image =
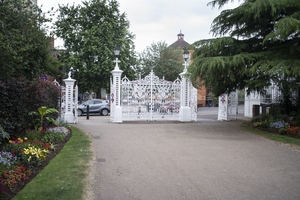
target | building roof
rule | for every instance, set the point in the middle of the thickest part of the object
(180, 43)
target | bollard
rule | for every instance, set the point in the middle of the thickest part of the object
(87, 112)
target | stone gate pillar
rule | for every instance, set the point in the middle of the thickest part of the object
(115, 97)
(69, 104)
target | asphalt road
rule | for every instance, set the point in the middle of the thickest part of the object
(208, 159)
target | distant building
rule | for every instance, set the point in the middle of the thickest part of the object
(180, 43)
(203, 98)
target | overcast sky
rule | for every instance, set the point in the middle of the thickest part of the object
(160, 20)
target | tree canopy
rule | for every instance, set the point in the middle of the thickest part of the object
(24, 45)
(90, 32)
(258, 44)
(165, 62)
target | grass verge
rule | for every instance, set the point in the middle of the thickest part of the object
(63, 177)
(276, 137)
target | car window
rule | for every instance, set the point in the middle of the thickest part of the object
(88, 102)
(97, 102)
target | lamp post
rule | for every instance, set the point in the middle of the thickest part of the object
(186, 56)
(116, 109)
(117, 50)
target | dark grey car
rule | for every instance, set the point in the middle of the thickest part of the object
(95, 106)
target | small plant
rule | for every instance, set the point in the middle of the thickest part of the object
(42, 111)
(12, 177)
(279, 124)
(294, 130)
(3, 135)
(34, 155)
(53, 137)
(263, 124)
(7, 158)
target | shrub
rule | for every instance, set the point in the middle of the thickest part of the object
(278, 124)
(294, 130)
(19, 96)
(3, 135)
(7, 158)
(11, 177)
(41, 113)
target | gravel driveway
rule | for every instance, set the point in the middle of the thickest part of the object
(200, 160)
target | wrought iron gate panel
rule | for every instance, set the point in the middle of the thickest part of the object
(193, 102)
(232, 105)
(112, 105)
(150, 98)
(228, 106)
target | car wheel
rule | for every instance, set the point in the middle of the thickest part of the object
(104, 112)
(79, 113)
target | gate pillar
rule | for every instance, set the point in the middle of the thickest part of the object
(115, 97)
(69, 104)
(185, 109)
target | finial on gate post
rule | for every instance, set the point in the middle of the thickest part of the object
(70, 72)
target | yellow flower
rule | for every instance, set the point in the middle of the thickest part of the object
(29, 159)
(9, 141)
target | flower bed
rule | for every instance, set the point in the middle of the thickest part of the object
(21, 158)
(284, 126)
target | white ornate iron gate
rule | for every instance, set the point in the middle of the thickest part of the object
(152, 98)
(228, 105)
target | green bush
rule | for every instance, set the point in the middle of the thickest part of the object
(19, 96)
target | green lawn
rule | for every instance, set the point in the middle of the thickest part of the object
(63, 178)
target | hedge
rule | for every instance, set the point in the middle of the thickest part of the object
(18, 97)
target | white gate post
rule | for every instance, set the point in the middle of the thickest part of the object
(185, 114)
(69, 105)
(116, 94)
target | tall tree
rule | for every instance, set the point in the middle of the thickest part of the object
(24, 45)
(165, 62)
(90, 32)
(259, 44)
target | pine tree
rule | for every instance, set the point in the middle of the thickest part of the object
(258, 43)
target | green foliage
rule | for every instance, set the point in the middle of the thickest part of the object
(165, 62)
(24, 45)
(53, 137)
(272, 136)
(59, 174)
(22, 155)
(18, 97)
(10, 177)
(3, 135)
(90, 32)
(262, 47)
(41, 113)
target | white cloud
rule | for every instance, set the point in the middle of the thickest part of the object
(161, 20)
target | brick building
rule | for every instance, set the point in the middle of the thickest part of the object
(203, 93)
